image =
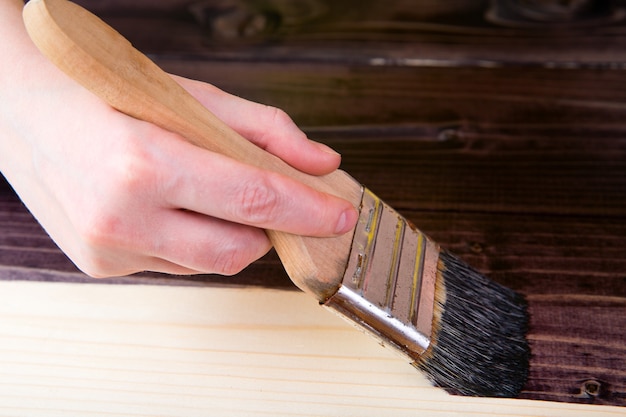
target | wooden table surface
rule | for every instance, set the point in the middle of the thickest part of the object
(503, 144)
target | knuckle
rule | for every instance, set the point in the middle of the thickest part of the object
(102, 254)
(99, 230)
(278, 117)
(132, 171)
(256, 202)
(131, 176)
(103, 224)
(231, 260)
(91, 260)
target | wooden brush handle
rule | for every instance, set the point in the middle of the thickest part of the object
(104, 62)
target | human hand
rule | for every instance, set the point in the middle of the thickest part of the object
(119, 195)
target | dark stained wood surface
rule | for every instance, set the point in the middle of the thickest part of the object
(401, 32)
(506, 144)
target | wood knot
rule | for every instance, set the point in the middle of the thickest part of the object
(476, 247)
(590, 388)
(546, 13)
(234, 19)
(448, 135)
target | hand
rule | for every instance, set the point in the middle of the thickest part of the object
(120, 195)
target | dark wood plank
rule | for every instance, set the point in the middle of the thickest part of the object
(396, 32)
(344, 94)
(567, 355)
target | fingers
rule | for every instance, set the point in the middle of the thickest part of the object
(217, 186)
(273, 130)
(263, 199)
(168, 206)
(173, 242)
(268, 127)
(121, 196)
(188, 241)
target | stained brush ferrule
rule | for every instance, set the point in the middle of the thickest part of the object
(389, 284)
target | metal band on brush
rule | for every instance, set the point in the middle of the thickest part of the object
(389, 284)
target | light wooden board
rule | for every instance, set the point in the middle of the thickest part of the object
(91, 349)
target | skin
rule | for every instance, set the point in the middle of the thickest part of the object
(120, 196)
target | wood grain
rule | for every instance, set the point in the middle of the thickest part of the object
(396, 32)
(76, 350)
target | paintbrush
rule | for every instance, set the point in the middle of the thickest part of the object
(464, 331)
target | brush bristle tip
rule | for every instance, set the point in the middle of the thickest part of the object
(479, 346)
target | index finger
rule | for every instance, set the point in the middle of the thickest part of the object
(218, 186)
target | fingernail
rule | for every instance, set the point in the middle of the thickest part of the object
(346, 222)
(327, 149)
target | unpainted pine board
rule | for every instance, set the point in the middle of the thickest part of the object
(88, 349)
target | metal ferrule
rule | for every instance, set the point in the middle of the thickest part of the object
(389, 284)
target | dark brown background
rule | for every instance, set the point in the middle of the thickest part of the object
(498, 128)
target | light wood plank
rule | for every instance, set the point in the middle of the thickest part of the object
(92, 349)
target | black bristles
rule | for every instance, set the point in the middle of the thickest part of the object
(479, 345)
